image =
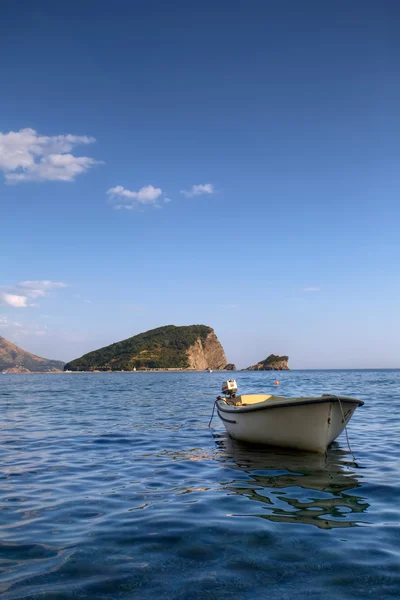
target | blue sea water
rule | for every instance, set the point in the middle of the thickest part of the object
(113, 486)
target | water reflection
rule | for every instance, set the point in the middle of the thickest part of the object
(296, 487)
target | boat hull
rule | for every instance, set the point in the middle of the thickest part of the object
(309, 425)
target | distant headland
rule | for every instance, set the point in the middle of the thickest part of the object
(15, 360)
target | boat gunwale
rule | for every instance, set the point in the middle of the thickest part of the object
(282, 403)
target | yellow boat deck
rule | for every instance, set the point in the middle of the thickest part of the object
(246, 399)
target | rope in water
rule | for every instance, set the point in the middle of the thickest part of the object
(215, 402)
(345, 427)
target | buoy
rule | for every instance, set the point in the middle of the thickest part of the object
(276, 382)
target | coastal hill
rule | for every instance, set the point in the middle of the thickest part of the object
(271, 363)
(170, 347)
(15, 360)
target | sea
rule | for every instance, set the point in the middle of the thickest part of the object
(113, 486)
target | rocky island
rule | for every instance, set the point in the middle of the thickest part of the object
(192, 347)
(271, 363)
(15, 360)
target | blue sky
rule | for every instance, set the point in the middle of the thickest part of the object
(227, 163)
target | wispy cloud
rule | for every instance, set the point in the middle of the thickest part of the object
(129, 199)
(199, 190)
(19, 295)
(121, 197)
(27, 156)
(5, 323)
(311, 289)
(16, 329)
(30, 330)
(38, 289)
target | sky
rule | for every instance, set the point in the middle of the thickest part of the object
(228, 163)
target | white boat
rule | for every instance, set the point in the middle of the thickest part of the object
(305, 423)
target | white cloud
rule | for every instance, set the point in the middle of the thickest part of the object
(27, 156)
(199, 190)
(311, 289)
(14, 300)
(18, 295)
(38, 289)
(146, 195)
(129, 199)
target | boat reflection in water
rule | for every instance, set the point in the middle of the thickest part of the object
(294, 487)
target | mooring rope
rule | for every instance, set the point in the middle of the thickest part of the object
(345, 427)
(215, 402)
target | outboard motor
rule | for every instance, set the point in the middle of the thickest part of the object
(229, 388)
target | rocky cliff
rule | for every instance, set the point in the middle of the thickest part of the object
(271, 363)
(169, 347)
(16, 371)
(206, 353)
(21, 361)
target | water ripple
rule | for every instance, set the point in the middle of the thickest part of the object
(112, 486)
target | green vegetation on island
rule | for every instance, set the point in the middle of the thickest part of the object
(162, 348)
(271, 363)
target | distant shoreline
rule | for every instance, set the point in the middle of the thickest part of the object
(177, 370)
(138, 371)
(199, 371)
